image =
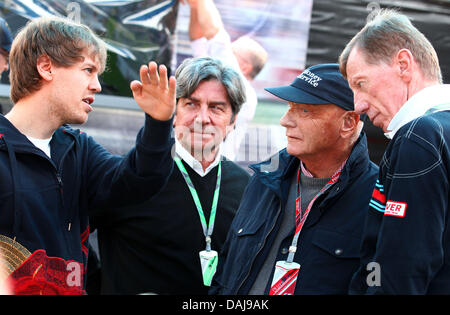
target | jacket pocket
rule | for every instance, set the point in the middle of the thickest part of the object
(246, 240)
(336, 244)
(330, 263)
(248, 229)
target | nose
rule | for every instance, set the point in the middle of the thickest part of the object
(202, 116)
(361, 105)
(95, 85)
(286, 120)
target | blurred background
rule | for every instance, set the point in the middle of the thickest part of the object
(296, 33)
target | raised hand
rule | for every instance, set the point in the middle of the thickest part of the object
(155, 94)
(191, 3)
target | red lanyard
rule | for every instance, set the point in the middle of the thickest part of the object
(299, 219)
(286, 272)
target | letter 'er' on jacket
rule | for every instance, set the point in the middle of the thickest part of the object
(298, 228)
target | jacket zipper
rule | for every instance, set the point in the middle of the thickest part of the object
(60, 184)
(257, 253)
(63, 205)
(57, 170)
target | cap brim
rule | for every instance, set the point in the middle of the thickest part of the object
(295, 95)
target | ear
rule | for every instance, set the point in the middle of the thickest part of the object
(44, 67)
(242, 57)
(175, 114)
(349, 124)
(231, 126)
(404, 61)
(246, 68)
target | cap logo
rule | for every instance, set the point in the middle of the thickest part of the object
(310, 78)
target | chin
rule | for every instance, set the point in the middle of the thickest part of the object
(294, 151)
(290, 151)
(78, 120)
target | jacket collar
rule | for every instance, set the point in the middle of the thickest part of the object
(62, 138)
(14, 137)
(428, 100)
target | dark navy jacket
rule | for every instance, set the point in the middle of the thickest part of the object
(328, 247)
(407, 230)
(45, 203)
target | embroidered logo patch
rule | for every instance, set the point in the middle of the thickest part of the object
(395, 208)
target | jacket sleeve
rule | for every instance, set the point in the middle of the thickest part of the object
(411, 223)
(114, 181)
(216, 284)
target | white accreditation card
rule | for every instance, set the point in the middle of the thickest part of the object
(284, 278)
(208, 261)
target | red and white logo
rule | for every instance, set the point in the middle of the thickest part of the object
(395, 208)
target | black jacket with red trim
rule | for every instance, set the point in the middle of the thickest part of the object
(45, 203)
(406, 240)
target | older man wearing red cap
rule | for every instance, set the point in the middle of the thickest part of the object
(298, 228)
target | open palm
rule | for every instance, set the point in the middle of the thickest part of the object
(155, 93)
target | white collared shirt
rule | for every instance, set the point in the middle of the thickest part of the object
(192, 162)
(436, 97)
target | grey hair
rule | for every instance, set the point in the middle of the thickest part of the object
(192, 71)
(386, 34)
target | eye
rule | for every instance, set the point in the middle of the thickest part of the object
(360, 84)
(191, 104)
(89, 70)
(303, 111)
(217, 107)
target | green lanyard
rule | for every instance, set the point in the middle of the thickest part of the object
(207, 229)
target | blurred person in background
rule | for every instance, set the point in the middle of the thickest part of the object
(298, 228)
(170, 243)
(209, 38)
(5, 46)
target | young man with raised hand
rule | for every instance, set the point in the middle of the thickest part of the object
(53, 176)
